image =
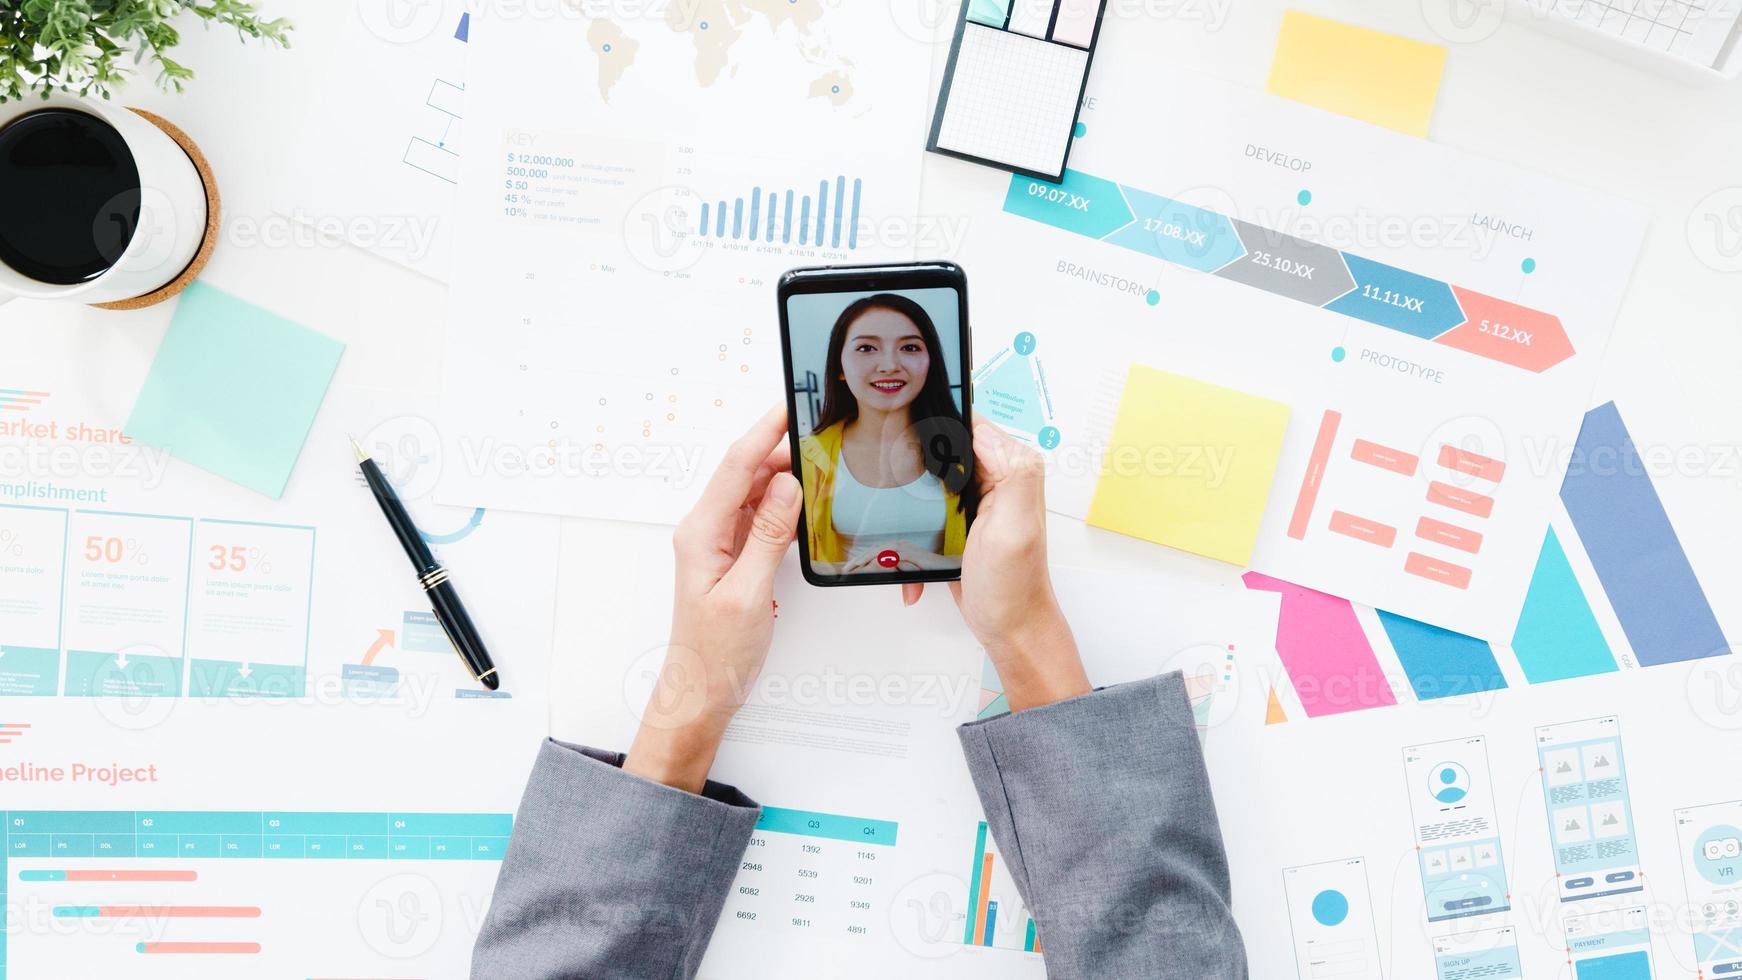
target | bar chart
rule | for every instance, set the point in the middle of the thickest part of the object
(824, 217)
(211, 893)
(996, 916)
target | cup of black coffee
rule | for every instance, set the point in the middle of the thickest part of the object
(96, 203)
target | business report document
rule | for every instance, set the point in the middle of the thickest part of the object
(1432, 320)
(131, 575)
(228, 838)
(630, 192)
(232, 723)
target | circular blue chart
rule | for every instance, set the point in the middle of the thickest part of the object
(1330, 907)
(459, 534)
(1449, 782)
(1718, 855)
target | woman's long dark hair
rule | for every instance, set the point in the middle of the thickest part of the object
(932, 410)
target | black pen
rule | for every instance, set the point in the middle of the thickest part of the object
(444, 599)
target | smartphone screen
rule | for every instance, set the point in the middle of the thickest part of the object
(878, 402)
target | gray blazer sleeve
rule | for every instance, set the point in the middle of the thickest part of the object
(1101, 809)
(609, 875)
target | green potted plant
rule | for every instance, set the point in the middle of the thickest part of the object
(86, 47)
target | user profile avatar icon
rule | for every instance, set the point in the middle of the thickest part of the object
(1449, 782)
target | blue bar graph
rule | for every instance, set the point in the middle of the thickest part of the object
(991, 920)
(974, 880)
(840, 202)
(773, 212)
(822, 209)
(853, 229)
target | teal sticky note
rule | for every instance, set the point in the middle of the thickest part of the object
(234, 389)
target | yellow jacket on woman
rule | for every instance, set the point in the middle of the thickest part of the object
(819, 453)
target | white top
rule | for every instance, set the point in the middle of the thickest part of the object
(867, 517)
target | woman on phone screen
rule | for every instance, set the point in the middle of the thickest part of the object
(870, 487)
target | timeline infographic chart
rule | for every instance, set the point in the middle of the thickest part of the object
(213, 893)
(1203, 240)
(218, 837)
(1428, 356)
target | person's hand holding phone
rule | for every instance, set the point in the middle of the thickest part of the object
(722, 621)
(1005, 594)
(731, 544)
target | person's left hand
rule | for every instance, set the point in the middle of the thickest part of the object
(722, 621)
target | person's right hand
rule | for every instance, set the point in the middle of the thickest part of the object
(1005, 594)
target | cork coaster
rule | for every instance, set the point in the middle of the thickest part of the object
(179, 283)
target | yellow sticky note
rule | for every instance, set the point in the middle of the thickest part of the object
(1369, 75)
(1189, 465)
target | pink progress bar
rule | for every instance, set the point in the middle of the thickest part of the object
(129, 876)
(170, 911)
(197, 948)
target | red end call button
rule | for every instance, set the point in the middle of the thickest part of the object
(888, 559)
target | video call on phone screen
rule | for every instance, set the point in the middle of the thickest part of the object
(877, 403)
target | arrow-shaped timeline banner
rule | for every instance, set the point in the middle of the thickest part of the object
(1315, 274)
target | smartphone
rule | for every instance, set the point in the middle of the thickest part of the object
(877, 403)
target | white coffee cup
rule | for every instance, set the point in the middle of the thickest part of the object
(172, 211)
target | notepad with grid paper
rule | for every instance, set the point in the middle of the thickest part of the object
(1700, 31)
(1014, 83)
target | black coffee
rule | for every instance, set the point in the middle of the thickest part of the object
(69, 196)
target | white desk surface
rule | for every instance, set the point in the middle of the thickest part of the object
(1518, 95)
